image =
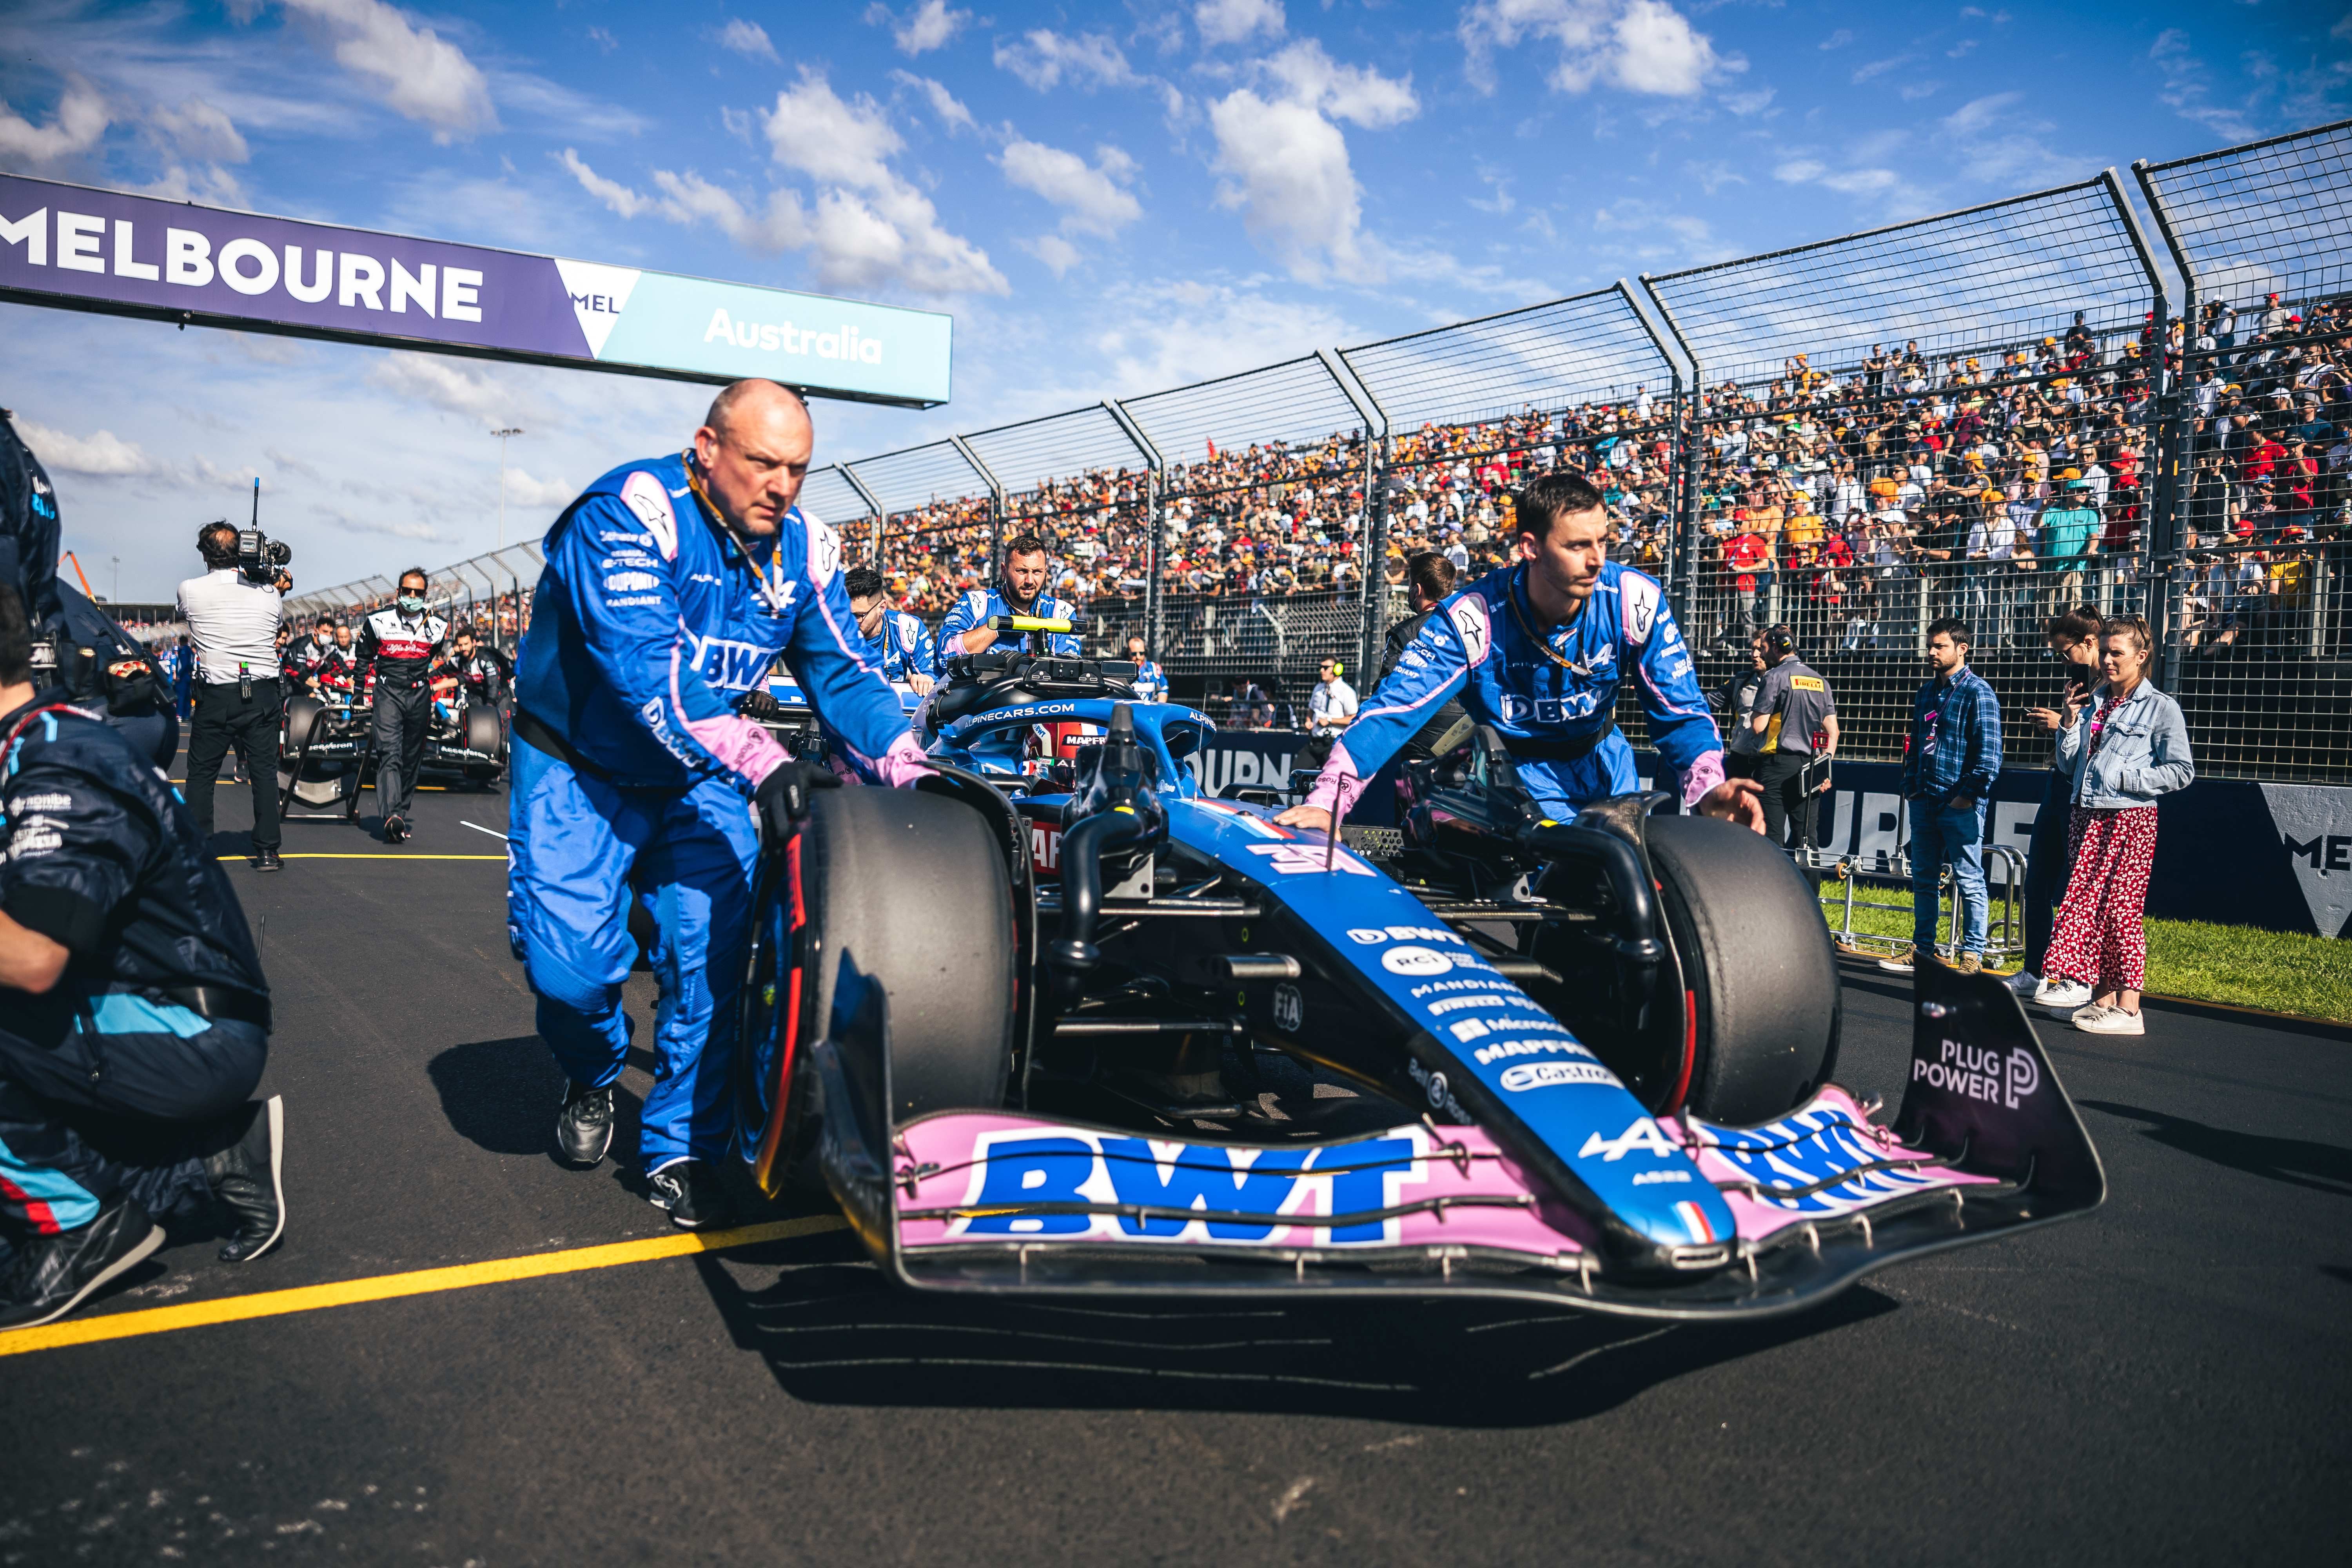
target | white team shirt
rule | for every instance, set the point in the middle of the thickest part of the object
(1333, 698)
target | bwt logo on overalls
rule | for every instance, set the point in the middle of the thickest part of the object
(1981, 1074)
(731, 666)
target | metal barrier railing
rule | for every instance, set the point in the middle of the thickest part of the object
(2004, 929)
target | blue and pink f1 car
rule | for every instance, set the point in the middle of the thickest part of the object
(1095, 1032)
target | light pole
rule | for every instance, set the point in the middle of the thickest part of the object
(116, 601)
(502, 436)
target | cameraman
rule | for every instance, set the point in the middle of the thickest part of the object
(133, 1018)
(239, 689)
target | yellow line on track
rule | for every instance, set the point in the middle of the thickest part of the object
(388, 1286)
(379, 855)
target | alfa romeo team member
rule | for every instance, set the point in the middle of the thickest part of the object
(134, 1020)
(670, 587)
(400, 645)
(1538, 650)
(899, 643)
(1021, 592)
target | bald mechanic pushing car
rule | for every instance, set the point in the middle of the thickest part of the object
(670, 587)
(1537, 650)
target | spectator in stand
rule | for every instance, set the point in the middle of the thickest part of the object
(2073, 637)
(2123, 747)
(1950, 761)
(2068, 526)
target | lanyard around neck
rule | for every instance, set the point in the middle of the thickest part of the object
(771, 577)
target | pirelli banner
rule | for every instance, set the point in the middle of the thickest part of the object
(84, 249)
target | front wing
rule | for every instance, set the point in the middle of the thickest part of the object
(1985, 1143)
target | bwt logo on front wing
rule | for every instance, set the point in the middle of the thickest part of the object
(1981, 1074)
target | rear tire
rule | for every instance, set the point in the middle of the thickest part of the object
(1757, 960)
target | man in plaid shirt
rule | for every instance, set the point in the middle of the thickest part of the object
(1949, 763)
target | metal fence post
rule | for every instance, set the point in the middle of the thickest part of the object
(1688, 434)
(1374, 566)
(1155, 524)
(995, 505)
(2177, 479)
(2155, 340)
(872, 504)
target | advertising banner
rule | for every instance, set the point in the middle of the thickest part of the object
(79, 248)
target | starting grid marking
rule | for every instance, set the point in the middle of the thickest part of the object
(377, 855)
(390, 1287)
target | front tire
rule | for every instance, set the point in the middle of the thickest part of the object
(1758, 965)
(912, 889)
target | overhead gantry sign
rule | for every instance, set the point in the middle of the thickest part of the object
(79, 248)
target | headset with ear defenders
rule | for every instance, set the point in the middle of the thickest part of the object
(1779, 644)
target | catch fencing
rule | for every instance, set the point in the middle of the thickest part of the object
(1993, 415)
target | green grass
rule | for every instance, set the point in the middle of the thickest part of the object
(2241, 966)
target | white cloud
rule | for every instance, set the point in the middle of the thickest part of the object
(80, 119)
(749, 39)
(1978, 113)
(1291, 176)
(1838, 40)
(1234, 21)
(1174, 334)
(416, 73)
(1043, 57)
(951, 113)
(781, 225)
(2186, 87)
(522, 490)
(104, 455)
(1058, 254)
(1800, 171)
(1093, 197)
(930, 26)
(423, 533)
(612, 192)
(451, 385)
(1642, 46)
(1357, 93)
(1295, 188)
(197, 130)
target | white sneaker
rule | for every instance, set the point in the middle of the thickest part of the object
(2109, 1021)
(1898, 963)
(2058, 992)
(2024, 981)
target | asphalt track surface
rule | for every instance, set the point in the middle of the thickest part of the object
(2167, 1380)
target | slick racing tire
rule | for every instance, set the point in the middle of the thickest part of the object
(301, 714)
(484, 733)
(1757, 963)
(913, 890)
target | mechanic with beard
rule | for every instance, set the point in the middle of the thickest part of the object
(671, 585)
(400, 645)
(134, 1020)
(898, 644)
(1022, 592)
(483, 670)
(1538, 650)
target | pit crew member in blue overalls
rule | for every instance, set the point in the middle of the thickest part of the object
(670, 587)
(1150, 681)
(1021, 592)
(1537, 650)
(899, 643)
(134, 1020)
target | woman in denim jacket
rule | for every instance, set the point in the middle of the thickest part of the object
(2121, 748)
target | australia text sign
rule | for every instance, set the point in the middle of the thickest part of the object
(101, 250)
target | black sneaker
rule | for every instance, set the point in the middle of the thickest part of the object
(394, 829)
(583, 1129)
(691, 1190)
(54, 1274)
(267, 860)
(248, 1180)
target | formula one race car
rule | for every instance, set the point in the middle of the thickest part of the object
(325, 754)
(1093, 1031)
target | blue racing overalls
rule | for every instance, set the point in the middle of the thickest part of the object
(650, 624)
(1552, 697)
(902, 648)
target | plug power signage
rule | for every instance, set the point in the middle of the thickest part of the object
(85, 249)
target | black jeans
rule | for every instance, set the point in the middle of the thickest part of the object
(398, 741)
(223, 716)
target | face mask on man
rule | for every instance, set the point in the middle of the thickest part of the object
(412, 603)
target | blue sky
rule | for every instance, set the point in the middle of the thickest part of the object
(1110, 199)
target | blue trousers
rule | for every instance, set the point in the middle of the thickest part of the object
(1945, 835)
(581, 849)
(1563, 789)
